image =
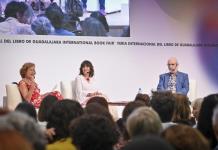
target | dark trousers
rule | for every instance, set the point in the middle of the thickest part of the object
(101, 2)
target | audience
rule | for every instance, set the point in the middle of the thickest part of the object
(11, 140)
(18, 17)
(99, 16)
(61, 114)
(143, 98)
(205, 118)
(148, 143)
(182, 110)
(28, 109)
(196, 106)
(164, 103)
(215, 124)
(183, 137)
(93, 27)
(26, 126)
(42, 26)
(143, 121)
(93, 132)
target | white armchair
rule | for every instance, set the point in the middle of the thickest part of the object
(192, 90)
(13, 97)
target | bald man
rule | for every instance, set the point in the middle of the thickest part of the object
(174, 81)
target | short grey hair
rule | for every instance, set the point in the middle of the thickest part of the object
(26, 126)
(142, 121)
(42, 26)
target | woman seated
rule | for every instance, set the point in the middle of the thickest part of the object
(85, 86)
(29, 88)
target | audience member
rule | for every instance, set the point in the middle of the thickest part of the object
(42, 26)
(45, 107)
(99, 100)
(143, 121)
(183, 137)
(205, 118)
(93, 27)
(148, 143)
(215, 124)
(18, 16)
(196, 106)
(11, 140)
(143, 98)
(29, 88)
(99, 16)
(26, 126)
(182, 110)
(27, 108)
(93, 132)
(56, 16)
(163, 103)
(59, 118)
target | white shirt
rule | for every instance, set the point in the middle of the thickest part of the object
(13, 26)
(82, 87)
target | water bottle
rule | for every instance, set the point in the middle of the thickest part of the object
(139, 91)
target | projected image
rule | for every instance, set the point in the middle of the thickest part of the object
(65, 17)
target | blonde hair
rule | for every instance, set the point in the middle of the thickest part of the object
(25, 67)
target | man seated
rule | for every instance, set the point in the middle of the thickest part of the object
(174, 81)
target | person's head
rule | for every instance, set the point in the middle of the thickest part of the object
(99, 16)
(196, 106)
(163, 103)
(28, 70)
(19, 10)
(98, 109)
(129, 108)
(99, 100)
(26, 126)
(215, 122)
(10, 140)
(55, 15)
(148, 143)
(46, 106)
(93, 132)
(182, 111)
(86, 68)
(60, 116)
(183, 137)
(93, 27)
(204, 124)
(143, 121)
(143, 98)
(27, 108)
(42, 26)
(172, 64)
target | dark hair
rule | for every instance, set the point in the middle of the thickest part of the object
(45, 107)
(183, 137)
(27, 108)
(129, 108)
(99, 16)
(4, 111)
(163, 104)
(93, 27)
(98, 109)
(88, 64)
(144, 98)
(60, 116)
(148, 143)
(205, 118)
(99, 100)
(14, 7)
(92, 132)
(55, 15)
